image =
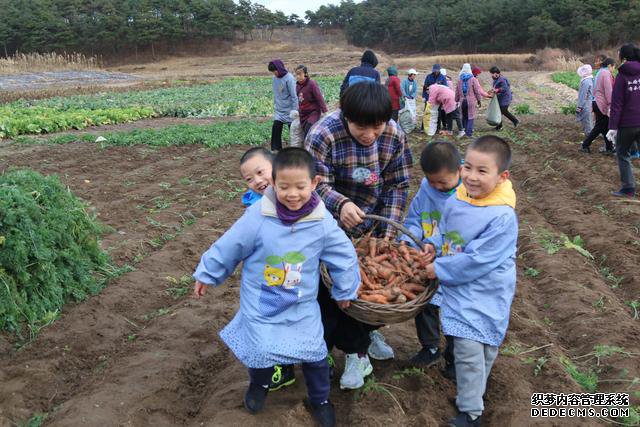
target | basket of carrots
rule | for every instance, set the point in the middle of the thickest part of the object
(394, 285)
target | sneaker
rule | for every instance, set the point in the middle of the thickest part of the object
(515, 125)
(584, 149)
(254, 398)
(426, 357)
(283, 376)
(332, 365)
(606, 151)
(464, 420)
(499, 127)
(635, 155)
(624, 192)
(355, 369)
(462, 134)
(323, 414)
(449, 372)
(378, 349)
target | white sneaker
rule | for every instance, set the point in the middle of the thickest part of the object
(461, 134)
(355, 369)
(378, 349)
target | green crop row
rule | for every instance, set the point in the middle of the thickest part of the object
(29, 120)
(248, 97)
(215, 135)
(568, 78)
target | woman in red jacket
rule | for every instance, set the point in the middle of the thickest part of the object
(395, 91)
(310, 99)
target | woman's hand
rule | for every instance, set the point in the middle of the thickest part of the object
(343, 304)
(351, 215)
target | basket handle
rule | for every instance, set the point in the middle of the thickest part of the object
(397, 225)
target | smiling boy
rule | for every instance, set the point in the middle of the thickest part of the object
(363, 160)
(477, 269)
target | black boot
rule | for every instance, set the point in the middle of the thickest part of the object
(254, 398)
(323, 414)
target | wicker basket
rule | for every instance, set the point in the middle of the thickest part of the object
(384, 314)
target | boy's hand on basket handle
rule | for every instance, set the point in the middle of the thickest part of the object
(429, 252)
(351, 215)
(343, 304)
(199, 289)
(431, 271)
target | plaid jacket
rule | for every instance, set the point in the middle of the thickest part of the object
(375, 178)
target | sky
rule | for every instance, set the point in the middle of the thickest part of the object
(299, 7)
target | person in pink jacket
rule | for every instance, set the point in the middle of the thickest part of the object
(468, 94)
(441, 96)
(601, 107)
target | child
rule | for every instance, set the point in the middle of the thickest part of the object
(285, 100)
(395, 91)
(256, 168)
(477, 270)
(440, 96)
(502, 88)
(441, 164)
(468, 94)
(281, 241)
(583, 107)
(310, 98)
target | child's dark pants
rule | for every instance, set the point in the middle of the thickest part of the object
(428, 326)
(316, 376)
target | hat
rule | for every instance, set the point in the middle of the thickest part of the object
(436, 67)
(476, 70)
(412, 71)
(585, 71)
(443, 71)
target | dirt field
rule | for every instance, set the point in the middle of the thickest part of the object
(136, 355)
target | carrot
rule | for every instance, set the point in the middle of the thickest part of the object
(394, 282)
(365, 279)
(372, 247)
(409, 295)
(387, 264)
(377, 299)
(402, 249)
(413, 287)
(380, 258)
(385, 273)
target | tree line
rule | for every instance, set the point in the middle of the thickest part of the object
(483, 25)
(110, 27)
(113, 26)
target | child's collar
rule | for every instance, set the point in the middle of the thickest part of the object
(268, 207)
(502, 195)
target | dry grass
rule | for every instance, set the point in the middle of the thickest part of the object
(546, 59)
(516, 61)
(38, 62)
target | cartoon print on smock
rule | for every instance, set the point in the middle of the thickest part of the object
(453, 243)
(430, 221)
(282, 274)
(365, 176)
